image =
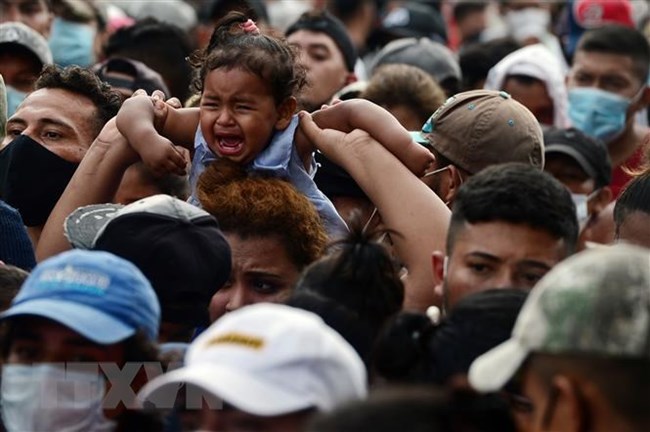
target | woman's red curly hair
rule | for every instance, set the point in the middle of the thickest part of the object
(258, 206)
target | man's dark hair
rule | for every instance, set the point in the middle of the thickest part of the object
(359, 274)
(346, 9)
(168, 184)
(464, 9)
(623, 382)
(518, 194)
(162, 47)
(619, 40)
(412, 349)
(635, 198)
(321, 21)
(211, 11)
(83, 82)
(11, 279)
(477, 59)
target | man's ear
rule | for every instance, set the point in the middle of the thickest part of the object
(454, 183)
(643, 101)
(286, 109)
(601, 200)
(438, 265)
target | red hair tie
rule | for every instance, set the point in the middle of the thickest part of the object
(250, 27)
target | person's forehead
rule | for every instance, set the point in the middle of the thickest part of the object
(507, 241)
(58, 104)
(603, 63)
(533, 96)
(538, 86)
(308, 38)
(264, 251)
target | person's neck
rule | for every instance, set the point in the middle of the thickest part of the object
(621, 149)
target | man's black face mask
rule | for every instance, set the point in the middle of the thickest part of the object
(32, 179)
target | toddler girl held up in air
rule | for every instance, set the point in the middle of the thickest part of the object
(248, 82)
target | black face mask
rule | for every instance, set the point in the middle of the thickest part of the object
(32, 179)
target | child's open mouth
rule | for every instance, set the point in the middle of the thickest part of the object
(229, 146)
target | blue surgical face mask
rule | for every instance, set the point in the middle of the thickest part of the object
(14, 99)
(598, 113)
(72, 43)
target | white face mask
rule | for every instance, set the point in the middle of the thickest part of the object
(50, 398)
(438, 171)
(528, 23)
(581, 202)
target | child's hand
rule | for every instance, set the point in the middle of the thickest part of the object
(334, 144)
(160, 106)
(161, 156)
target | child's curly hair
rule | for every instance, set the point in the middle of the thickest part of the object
(268, 56)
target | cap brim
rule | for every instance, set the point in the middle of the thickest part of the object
(573, 154)
(492, 371)
(419, 138)
(85, 320)
(84, 224)
(239, 389)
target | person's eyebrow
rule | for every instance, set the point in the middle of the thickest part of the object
(484, 255)
(249, 98)
(318, 45)
(54, 122)
(263, 274)
(43, 121)
(17, 121)
(534, 263)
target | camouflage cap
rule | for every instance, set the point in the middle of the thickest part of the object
(480, 128)
(594, 303)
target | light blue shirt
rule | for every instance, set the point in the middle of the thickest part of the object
(280, 159)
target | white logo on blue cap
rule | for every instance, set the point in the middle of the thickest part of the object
(74, 279)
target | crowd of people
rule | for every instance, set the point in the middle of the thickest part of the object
(324, 215)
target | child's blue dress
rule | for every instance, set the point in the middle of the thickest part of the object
(280, 159)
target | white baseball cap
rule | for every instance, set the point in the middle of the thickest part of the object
(268, 360)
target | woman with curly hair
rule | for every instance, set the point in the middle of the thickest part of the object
(273, 232)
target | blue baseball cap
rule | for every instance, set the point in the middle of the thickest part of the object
(104, 298)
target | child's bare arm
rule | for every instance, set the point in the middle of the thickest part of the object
(406, 205)
(138, 120)
(381, 125)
